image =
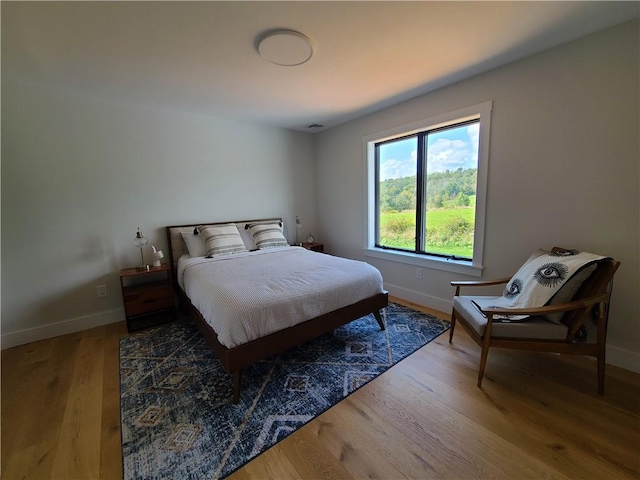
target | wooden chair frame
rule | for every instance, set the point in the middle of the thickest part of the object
(595, 291)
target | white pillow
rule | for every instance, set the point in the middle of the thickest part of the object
(221, 239)
(268, 235)
(194, 243)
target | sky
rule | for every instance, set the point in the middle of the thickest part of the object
(446, 150)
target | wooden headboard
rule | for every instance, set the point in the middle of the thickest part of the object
(177, 247)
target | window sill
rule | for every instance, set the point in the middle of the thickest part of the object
(463, 267)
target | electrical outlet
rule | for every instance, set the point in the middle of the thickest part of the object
(419, 273)
(102, 290)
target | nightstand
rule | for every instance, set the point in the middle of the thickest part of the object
(316, 247)
(148, 296)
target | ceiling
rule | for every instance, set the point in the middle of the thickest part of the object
(201, 56)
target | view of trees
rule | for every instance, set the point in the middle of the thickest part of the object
(448, 188)
(450, 212)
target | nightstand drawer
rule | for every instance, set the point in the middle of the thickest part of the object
(138, 302)
(147, 294)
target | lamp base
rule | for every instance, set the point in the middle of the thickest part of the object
(142, 267)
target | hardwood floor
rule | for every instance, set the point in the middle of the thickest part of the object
(536, 416)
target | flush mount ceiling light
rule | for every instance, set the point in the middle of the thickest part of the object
(287, 48)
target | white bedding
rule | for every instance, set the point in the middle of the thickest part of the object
(248, 295)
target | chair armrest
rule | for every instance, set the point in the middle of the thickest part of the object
(479, 283)
(560, 307)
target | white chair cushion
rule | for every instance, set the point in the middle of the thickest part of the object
(533, 327)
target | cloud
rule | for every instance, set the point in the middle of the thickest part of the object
(447, 150)
(398, 168)
(446, 154)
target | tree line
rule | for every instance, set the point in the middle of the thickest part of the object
(444, 189)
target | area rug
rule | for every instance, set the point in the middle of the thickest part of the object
(177, 421)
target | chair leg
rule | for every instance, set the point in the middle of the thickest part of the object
(453, 316)
(602, 346)
(483, 363)
(453, 325)
(485, 350)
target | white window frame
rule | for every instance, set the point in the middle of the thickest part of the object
(482, 112)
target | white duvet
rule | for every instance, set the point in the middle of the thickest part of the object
(248, 295)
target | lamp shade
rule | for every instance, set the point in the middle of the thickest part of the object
(140, 241)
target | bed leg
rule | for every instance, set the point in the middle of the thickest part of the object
(237, 385)
(379, 319)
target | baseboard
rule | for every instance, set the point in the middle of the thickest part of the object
(623, 358)
(420, 298)
(28, 335)
(615, 355)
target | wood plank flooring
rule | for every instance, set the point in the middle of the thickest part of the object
(536, 416)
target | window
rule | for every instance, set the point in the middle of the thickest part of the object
(427, 190)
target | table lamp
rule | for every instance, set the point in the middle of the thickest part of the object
(141, 242)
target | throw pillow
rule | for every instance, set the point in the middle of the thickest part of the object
(569, 290)
(268, 235)
(221, 239)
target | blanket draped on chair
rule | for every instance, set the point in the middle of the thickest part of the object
(538, 280)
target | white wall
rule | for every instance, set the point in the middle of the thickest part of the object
(563, 170)
(80, 174)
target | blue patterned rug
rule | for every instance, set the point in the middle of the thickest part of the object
(176, 418)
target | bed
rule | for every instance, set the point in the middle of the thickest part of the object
(257, 297)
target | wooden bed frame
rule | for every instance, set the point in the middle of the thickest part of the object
(236, 358)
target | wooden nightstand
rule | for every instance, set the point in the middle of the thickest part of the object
(147, 294)
(316, 247)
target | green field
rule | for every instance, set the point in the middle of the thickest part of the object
(449, 230)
